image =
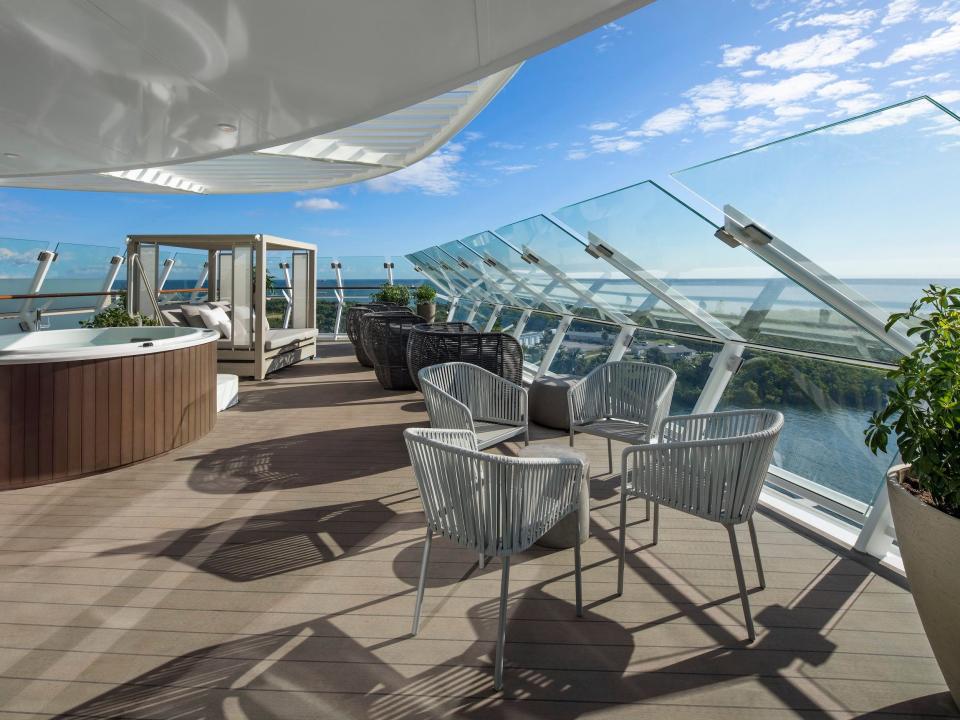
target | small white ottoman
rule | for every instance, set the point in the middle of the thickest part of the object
(564, 533)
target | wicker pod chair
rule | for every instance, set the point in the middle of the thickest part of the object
(435, 343)
(353, 327)
(384, 336)
(438, 343)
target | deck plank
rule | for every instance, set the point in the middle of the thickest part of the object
(240, 575)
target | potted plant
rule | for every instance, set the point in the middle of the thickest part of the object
(426, 305)
(395, 294)
(116, 315)
(923, 413)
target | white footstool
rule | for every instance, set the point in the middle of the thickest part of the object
(564, 533)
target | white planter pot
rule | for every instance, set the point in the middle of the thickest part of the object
(930, 547)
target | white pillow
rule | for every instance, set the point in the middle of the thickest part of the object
(216, 318)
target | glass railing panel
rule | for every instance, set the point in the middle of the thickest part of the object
(482, 315)
(520, 279)
(826, 406)
(327, 315)
(18, 264)
(362, 275)
(595, 284)
(446, 268)
(689, 357)
(188, 272)
(405, 274)
(676, 248)
(871, 200)
(78, 268)
(472, 266)
(584, 346)
(508, 320)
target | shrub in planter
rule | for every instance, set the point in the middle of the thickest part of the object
(397, 294)
(923, 413)
(426, 307)
(117, 316)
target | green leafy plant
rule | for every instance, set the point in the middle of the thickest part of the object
(397, 294)
(924, 405)
(425, 293)
(117, 316)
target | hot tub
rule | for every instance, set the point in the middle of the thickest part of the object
(74, 402)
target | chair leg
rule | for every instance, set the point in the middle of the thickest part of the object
(482, 561)
(428, 543)
(610, 453)
(571, 437)
(526, 436)
(647, 518)
(577, 569)
(502, 630)
(756, 553)
(623, 541)
(738, 566)
(656, 523)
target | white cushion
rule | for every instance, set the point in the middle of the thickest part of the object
(216, 318)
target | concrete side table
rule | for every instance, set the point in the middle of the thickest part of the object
(548, 401)
(564, 533)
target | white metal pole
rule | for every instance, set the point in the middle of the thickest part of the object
(473, 311)
(554, 345)
(452, 308)
(287, 294)
(724, 366)
(205, 273)
(521, 324)
(164, 274)
(494, 316)
(115, 263)
(389, 268)
(875, 538)
(623, 341)
(339, 294)
(44, 260)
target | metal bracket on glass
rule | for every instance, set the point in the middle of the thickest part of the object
(388, 266)
(817, 281)
(682, 304)
(725, 365)
(535, 295)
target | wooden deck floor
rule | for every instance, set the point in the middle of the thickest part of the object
(268, 571)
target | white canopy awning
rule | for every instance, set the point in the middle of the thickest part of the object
(110, 86)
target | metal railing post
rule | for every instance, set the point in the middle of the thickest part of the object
(115, 263)
(554, 345)
(44, 260)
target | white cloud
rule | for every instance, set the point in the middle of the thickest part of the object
(942, 41)
(713, 97)
(898, 11)
(788, 112)
(842, 88)
(603, 126)
(437, 174)
(668, 121)
(606, 145)
(737, 56)
(947, 97)
(577, 155)
(752, 73)
(318, 204)
(907, 82)
(714, 122)
(834, 47)
(785, 91)
(513, 169)
(472, 135)
(889, 118)
(859, 104)
(610, 32)
(852, 18)
(500, 145)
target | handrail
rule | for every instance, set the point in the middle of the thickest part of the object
(135, 260)
(42, 296)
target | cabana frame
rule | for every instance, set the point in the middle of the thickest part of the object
(254, 350)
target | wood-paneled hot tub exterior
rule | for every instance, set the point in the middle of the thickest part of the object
(63, 419)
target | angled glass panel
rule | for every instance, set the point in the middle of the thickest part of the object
(189, 271)
(78, 268)
(601, 291)
(871, 200)
(482, 315)
(676, 247)
(474, 268)
(507, 321)
(432, 271)
(470, 286)
(18, 263)
(520, 278)
(585, 346)
(537, 336)
(405, 274)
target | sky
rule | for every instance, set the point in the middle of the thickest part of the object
(674, 84)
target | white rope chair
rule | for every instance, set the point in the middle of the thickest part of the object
(462, 396)
(495, 505)
(623, 401)
(712, 466)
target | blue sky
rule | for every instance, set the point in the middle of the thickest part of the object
(674, 84)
